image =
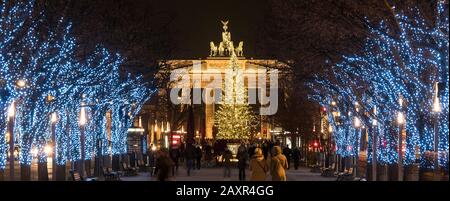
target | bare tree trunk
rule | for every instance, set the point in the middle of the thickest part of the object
(2, 174)
(87, 165)
(42, 171)
(116, 163)
(25, 172)
(60, 173)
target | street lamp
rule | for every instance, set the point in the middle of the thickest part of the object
(10, 131)
(53, 120)
(357, 125)
(34, 152)
(48, 150)
(82, 116)
(357, 122)
(83, 121)
(21, 83)
(436, 110)
(400, 121)
(400, 118)
(11, 110)
(436, 105)
(400, 101)
(168, 127)
(54, 117)
(374, 144)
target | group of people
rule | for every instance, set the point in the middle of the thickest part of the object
(260, 166)
(262, 160)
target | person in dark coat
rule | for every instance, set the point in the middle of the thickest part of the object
(133, 159)
(198, 157)
(152, 162)
(242, 163)
(251, 151)
(226, 159)
(287, 152)
(164, 164)
(189, 155)
(208, 155)
(175, 155)
(265, 149)
(296, 157)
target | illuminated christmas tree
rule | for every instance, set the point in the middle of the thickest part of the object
(234, 114)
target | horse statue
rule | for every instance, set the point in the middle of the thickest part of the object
(230, 48)
(221, 49)
(240, 49)
(214, 49)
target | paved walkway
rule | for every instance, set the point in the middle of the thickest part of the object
(216, 174)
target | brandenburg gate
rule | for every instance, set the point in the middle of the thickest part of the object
(216, 63)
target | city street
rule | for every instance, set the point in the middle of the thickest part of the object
(216, 174)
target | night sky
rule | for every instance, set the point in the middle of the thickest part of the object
(198, 22)
(311, 33)
(147, 31)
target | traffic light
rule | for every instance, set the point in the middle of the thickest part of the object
(176, 140)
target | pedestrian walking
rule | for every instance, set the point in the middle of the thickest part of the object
(198, 157)
(227, 155)
(242, 162)
(175, 155)
(296, 157)
(251, 150)
(208, 155)
(287, 152)
(152, 162)
(164, 164)
(278, 165)
(258, 166)
(133, 159)
(189, 156)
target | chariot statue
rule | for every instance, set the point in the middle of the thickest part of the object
(214, 50)
(240, 49)
(226, 47)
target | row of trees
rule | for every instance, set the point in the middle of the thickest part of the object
(399, 81)
(56, 94)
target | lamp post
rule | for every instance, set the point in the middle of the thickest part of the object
(10, 130)
(357, 125)
(374, 145)
(436, 110)
(53, 119)
(82, 123)
(400, 122)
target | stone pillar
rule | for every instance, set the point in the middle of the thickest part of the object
(151, 130)
(158, 134)
(209, 120)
